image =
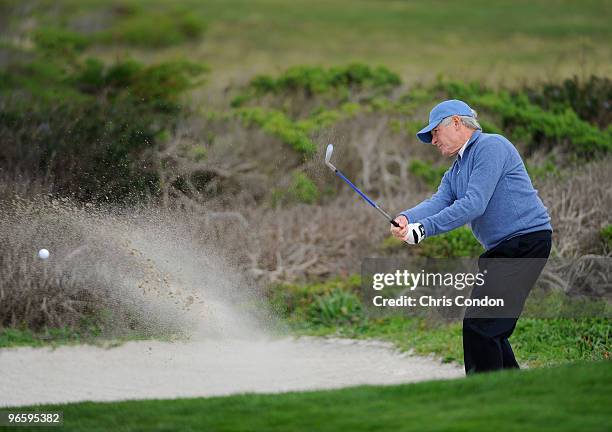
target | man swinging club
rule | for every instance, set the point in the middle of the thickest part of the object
(488, 188)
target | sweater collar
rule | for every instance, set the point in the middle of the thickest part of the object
(469, 142)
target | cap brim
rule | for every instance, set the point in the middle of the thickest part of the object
(425, 134)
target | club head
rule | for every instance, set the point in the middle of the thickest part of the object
(328, 154)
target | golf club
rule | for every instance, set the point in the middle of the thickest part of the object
(328, 154)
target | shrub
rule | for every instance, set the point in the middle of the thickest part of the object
(295, 300)
(532, 123)
(316, 80)
(301, 190)
(590, 99)
(154, 30)
(38, 82)
(279, 125)
(91, 151)
(391, 244)
(295, 133)
(159, 85)
(606, 237)
(57, 41)
(549, 167)
(94, 128)
(457, 243)
(427, 172)
(199, 153)
(321, 119)
(339, 82)
(489, 127)
(336, 308)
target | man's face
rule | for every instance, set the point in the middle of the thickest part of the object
(447, 139)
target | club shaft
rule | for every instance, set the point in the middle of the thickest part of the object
(366, 198)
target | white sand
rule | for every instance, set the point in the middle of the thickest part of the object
(159, 370)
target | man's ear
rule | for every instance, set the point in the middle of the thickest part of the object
(456, 122)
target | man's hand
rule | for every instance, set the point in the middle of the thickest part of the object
(416, 233)
(400, 232)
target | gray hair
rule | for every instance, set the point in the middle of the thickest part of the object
(467, 121)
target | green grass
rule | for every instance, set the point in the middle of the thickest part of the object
(536, 342)
(569, 398)
(16, 337)
(493, 41)
(553, 329)
(20, 337)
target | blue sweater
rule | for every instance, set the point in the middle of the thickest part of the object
(487, 188)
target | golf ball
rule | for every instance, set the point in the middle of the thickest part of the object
(43, 254)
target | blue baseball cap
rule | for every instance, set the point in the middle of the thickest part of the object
(440, 112)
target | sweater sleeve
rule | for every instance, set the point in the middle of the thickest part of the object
(489, 161)
(437, 202)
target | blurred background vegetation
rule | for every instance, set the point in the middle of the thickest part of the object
(225, 107)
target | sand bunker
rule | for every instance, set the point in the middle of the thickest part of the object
(159, 370)
(154, 268)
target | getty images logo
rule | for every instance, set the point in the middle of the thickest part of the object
(412, 280)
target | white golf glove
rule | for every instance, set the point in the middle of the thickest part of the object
(416, 233)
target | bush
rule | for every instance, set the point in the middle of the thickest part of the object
(606, 238)
(295, 300)
(158, 85)
(316, 80)
(93, 130)
(322, 118)
(391, 244)
(590, 99)
(301, 190)
(549, 167)
(427, 172)
(92, 152)
(489, 127)
(279, 125)
(295, 133)
(336, 82)
(336, 308)
(154, 30)
(533, 124)
(38, 82)
(57, 41)
(457, 243)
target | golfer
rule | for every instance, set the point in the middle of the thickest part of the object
(487, 187)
